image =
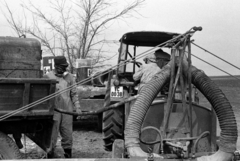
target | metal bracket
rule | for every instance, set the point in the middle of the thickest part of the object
(150, 154)
(236, 156)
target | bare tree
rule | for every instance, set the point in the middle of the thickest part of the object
(76, 27)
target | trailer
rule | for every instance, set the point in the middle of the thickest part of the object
(24, 113)
(22, 90)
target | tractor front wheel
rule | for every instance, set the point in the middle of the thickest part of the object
(113, 126)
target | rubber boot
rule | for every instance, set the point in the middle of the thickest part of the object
(68, 153)
(17, 137)
(51, 154)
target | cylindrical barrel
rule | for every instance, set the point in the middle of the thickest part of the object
(82, 75)
(84, 70)
(20, 57)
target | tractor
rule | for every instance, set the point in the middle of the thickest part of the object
(171, 124)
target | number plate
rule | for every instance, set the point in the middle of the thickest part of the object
(116, 92)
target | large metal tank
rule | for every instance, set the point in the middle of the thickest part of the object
(203, 120)
(20, 57)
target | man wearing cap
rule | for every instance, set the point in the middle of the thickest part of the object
(153, 64)
(68, 101)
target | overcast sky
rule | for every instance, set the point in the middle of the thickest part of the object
(220, 20)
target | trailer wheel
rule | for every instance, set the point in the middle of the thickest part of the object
(113, 124)
(8, 148)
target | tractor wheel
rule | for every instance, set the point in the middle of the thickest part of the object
(8, 148)
(113, 126)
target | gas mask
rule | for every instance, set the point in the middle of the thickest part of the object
(60, 71)
(162, 62)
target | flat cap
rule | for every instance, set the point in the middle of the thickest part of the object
(158, 54)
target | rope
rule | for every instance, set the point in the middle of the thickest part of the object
(216, 56)
(86, 80)
(216, 67)
(89, 79)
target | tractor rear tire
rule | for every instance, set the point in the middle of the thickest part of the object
(113, 126)
(8, 148)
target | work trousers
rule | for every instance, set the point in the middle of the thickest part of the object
(63, 124)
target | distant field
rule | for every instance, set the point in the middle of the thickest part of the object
(231, 88)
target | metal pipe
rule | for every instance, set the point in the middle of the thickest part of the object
(196, 142)
(168, 105)
(189, 74)
(134, 54)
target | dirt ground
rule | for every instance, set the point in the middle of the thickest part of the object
(87, 143)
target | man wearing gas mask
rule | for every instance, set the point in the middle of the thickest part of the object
(154, 63)
(68, 101)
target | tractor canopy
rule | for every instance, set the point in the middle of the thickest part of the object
(147, 38)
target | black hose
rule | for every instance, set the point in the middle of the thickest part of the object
(139, 109)
(222, 107)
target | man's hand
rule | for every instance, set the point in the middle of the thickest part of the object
(78, 111)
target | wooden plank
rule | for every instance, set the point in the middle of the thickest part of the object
(26, 94)
(52, 101)
(27, 80)
(91, 104)
(20, 64)
(20, 73)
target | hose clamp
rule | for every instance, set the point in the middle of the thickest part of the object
(236, 155)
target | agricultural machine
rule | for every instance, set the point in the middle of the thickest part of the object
(170, 125)
(151, 124)
(156, 124)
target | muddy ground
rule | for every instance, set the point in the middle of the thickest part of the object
(87, 143)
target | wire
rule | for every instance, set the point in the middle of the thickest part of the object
(82, 82)
(216, 56)
(88, 79)
(215, 67)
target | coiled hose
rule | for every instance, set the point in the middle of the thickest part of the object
(139, 109)
(209, 89)
(222, 107)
